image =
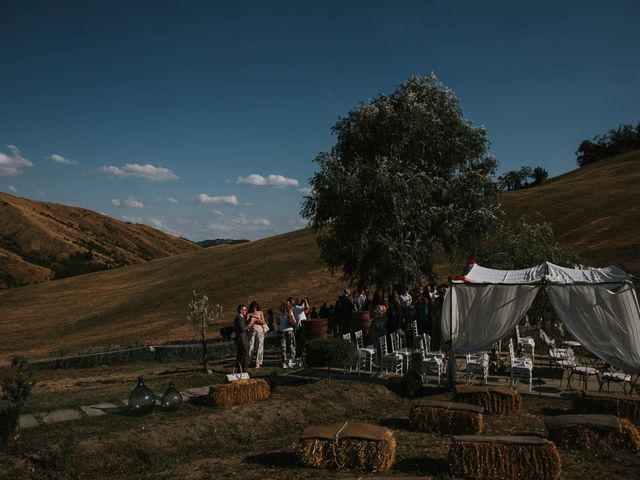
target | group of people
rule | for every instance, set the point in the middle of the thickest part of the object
(388, 312)
(250, 327)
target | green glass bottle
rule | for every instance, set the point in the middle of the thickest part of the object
(141, 399)
(171, 400)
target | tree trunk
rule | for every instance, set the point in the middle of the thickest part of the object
(204, 350)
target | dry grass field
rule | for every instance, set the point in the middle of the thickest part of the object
(254, 441)
(595, 210)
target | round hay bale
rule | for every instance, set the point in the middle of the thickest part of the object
(446, 418)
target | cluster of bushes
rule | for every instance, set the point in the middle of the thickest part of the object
(619, 140)
(524, 178)
(16, 387)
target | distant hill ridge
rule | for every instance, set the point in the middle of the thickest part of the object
(219, 241)
(40, 241)
(594, 210)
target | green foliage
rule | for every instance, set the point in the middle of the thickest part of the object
(16, 387)
(407, 175)
(518, 179)
(519, 244)
(411, 385)
(618, 140)
(329, 352)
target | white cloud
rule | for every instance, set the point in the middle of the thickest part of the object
(130, 202)
(13, 189)
(156, 223)
(13, 163)
(218, 213)
(276, 181)
(132, 219)
(60, 159)
(171, 200)
(305, 190)
(148, 171)
(205, 199)
(239, 223)
(42, 193)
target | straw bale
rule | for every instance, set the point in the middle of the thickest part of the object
(593, 431)
(504, 458)
(495, 400)
(446, 418)
(349, 452)
(241, 391)
(624, 406)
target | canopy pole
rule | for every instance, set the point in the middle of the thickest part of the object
(452, 354)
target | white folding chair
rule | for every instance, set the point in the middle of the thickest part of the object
(388, 359)
(433, 363)
(614, 376)
(365, 354)
(399, 345)
(521, 367)
(527, 343)
(477, 365)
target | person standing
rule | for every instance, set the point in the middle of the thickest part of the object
(256, 332)
(286, 322)
(344, 307)
(300, 310)
(379, 327)
(241, 338)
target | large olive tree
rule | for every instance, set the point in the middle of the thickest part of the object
(407, 175)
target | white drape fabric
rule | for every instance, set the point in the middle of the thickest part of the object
(561, 275)
(599, 306)
(483, 314)
(479, 274)
(603, 318)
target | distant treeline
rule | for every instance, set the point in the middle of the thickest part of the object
(524, 178)
(219, 241)
(618, 140)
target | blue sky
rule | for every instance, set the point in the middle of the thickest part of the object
(176, 114)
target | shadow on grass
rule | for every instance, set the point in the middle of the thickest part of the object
(395, 423)
(423, 466)
(286, 459)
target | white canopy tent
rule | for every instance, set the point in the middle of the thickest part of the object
(598, 306)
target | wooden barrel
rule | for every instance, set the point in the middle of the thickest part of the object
(315, 328)
(361, 321)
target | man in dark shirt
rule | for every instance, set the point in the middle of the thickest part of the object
(241, 339)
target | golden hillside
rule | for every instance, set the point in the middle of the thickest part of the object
(41, 241)
(594, 210)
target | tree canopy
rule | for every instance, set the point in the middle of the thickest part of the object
(518, 179)
(407, 175)
(618, 140)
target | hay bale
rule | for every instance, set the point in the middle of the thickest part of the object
(504, 458)
(241, 391)
(348, 445)
(593, 431)
(446, 418)
(494, 400)
(624, 406)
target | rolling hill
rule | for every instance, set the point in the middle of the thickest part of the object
(40, 241)
(595, 210)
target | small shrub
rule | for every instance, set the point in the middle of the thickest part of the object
(16, 387)
(329, 352)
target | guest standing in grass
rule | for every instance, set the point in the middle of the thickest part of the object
(286, 322)
(241, 338)
(256, 332)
